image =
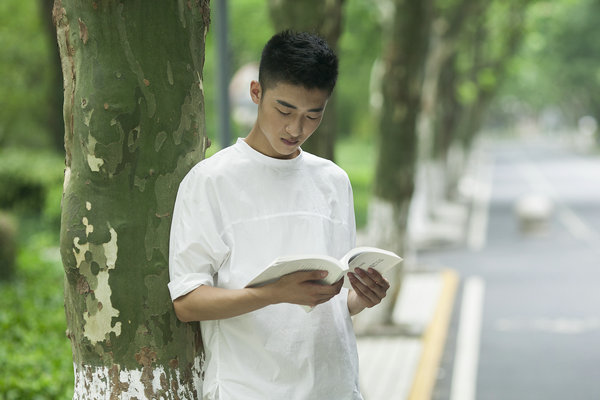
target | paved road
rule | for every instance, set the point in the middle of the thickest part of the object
(536, 332)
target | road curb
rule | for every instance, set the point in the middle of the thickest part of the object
(434, 339)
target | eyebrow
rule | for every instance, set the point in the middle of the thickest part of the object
(286, 104)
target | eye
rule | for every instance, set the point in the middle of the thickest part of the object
(282, 112)
(312, 118)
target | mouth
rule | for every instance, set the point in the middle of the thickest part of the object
(290, 142)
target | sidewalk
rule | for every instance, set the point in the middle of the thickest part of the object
(401, 363)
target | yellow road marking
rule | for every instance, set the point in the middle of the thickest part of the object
(434, 339)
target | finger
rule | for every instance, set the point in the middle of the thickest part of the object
(371, 289)
(367, 297)
(331, 290)
(364, 291)
(338, 285)
(378, 278)
(379, 288)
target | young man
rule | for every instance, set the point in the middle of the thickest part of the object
(252, 202)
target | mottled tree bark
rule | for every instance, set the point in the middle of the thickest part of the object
(324, 18)
(134, 126)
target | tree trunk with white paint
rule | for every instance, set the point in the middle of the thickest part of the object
(324, 18)
(134, 126)
(405, 48)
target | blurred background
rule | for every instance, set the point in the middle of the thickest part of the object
(506, 167)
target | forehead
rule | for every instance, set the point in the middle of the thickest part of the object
(297, 96)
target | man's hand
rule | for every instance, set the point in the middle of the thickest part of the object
(303, 288)
(367, 293)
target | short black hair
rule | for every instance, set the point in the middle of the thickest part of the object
(298, 58)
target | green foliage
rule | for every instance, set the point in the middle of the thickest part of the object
(27, 177)
(26, 74)
(35, 353)
(360, 46)
(249, 29)
(558, 65)
(357, 157)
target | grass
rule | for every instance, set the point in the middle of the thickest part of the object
(35, 355)
(357, 158)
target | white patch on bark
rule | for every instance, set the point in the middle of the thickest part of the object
(110, 249)
(98, 383)
(99, 325)
(87, 116)
(200, 82)
(79, 251)
(93, 162)
(67, 178)
(89, 228)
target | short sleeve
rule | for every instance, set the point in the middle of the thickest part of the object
(196, 247)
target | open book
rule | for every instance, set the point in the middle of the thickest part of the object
(359, 257)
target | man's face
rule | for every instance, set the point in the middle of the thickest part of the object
(287, 116)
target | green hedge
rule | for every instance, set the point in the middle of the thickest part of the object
(26, 178)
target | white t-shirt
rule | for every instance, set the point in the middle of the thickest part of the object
(235, 213)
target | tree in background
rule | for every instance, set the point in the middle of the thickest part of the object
(555, 75)
(451, 18)
(477, 72)
(324, 18)
(406, 36)
(134, 126)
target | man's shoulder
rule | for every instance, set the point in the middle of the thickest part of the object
(217, 162)
(210, 169)
(325, 166)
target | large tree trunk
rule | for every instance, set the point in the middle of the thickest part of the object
(134, 126)
(324, 18)
(405, 49)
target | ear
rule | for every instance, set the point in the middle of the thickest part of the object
(255, 92)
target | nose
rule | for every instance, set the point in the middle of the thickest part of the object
(294, 129)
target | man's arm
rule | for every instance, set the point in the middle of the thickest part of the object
(367, 294)
(210, 303)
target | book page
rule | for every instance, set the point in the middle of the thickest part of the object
(287, 265)
(365, 258)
